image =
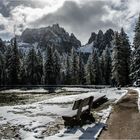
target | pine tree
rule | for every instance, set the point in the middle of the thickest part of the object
(23, 73)
(120, 59)
(135, 61)
(40, 66)
(74, 67)
(106, 66)
(8, 55)
(33, 72)
(126, 55)
(137, 34)
(57, 66)
(68, 71)
(1, 68)
(93, 69)
(102, 72)
(14, 64)
(49, 67)
(81, 73)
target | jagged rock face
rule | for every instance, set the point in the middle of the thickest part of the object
(108, 37)
(99, 41)
(1, 43)
(92, 38)
(52, 35)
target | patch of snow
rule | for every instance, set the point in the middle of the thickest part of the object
(90, 132)
(105, 115)
(78, 89)
(35, 44)
(111, 94)
(86, 48)
(39, 90)
(24, 45)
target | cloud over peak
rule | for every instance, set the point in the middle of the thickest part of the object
(78, 16)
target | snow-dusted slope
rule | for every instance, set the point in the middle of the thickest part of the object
(88, 48)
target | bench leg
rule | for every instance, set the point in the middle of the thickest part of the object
(73, 122)
(87, 118)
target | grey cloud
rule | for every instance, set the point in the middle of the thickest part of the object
(80, 19)
(4, 10)
(7, 5)
(2, 27)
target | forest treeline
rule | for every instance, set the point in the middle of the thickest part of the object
(117, 64)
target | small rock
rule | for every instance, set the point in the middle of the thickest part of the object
(17, 135)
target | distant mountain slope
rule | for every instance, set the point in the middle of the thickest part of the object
(52, 35)
(99, 41)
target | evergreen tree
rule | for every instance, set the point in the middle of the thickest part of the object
(49, 67)
(93, 70)
(102, 72)
(57, 66)
(126, 55)
(68, 71)
(81, 72)
(40, 66)
(106, 66)
(33, 71)
(23, 73)
(8, 55)
(137, 34)
(13, 64)
(120, 59)
(135, 61)
(1, 68)
(74, 67)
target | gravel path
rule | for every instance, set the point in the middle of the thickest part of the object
(124, 122)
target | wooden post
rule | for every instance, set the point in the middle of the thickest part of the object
(79, 110)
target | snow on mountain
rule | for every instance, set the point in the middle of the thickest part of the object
(88, 48)
(24, 48)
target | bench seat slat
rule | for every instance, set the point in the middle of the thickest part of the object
(72, 113)
(76, 104)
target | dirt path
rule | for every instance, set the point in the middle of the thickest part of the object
(124, 122)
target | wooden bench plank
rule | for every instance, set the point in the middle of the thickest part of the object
(98, 101)
(76, 104)
(79, 107)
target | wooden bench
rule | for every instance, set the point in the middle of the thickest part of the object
(99, 101)
(80, 112)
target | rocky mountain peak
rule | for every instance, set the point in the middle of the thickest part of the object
(52, 35)
(92, 37)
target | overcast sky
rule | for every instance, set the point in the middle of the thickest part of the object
(80, 17)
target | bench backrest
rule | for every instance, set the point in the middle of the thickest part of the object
(82, 102)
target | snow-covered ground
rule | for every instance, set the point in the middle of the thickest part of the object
(34, 119)
(39, 90)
